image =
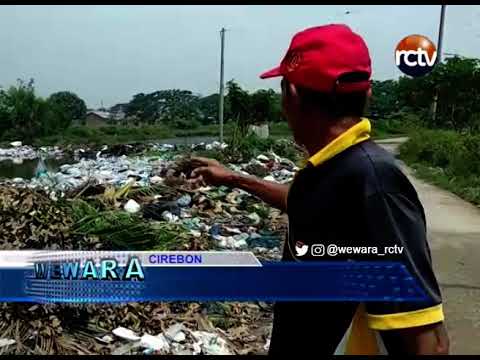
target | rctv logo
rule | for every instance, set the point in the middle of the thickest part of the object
(415, 55)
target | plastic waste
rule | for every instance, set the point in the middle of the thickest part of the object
(155, 210)
(267, 345)
(255, 218)
(263, 241)
(156, 343)
(232, 242)
(6, 342)
(210, 343)
(232, 230)
(262, 158)
(215, 230)
(124, 349)
(195, 233)
(107, 339)
(132, 206)
(175, 333)
(16, 143)
(168, 216)
(184, 201)
(156, 180)
(269, 178)
(194, 224)
(41, 169)
(126, 334)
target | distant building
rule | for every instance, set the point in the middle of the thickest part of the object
(118, 111)
(97, 119)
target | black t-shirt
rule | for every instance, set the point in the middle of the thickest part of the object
(357, 198)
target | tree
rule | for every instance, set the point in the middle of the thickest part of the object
(5, 110)
(68, 107)
(265, 106)
(208, 106)
(164, 105)
(25, 116)
(384, 101)
(458, 83)
(239, 103)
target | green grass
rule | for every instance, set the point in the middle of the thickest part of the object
(79, 135)
(383, 129)
(468, 188)
(119, 230)
(448, 159)
(120, 135)
(82, 135)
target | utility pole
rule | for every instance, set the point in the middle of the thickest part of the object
(220, 105)
(439, 60)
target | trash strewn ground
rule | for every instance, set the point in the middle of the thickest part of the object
(125, 199)
(23, 152)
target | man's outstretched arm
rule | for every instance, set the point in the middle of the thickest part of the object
(214, 173)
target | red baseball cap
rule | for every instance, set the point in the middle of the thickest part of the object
(319, 56)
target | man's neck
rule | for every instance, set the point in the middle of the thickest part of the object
(325, 135)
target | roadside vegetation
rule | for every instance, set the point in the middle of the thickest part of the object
(446, 151)
(446, 158)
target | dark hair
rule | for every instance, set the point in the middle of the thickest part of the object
(336, 105)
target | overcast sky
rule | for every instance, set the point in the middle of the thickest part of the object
(109, 53)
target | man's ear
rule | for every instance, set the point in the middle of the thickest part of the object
(369, 93)
(293, 93)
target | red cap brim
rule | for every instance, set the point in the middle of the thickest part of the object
(271, 73)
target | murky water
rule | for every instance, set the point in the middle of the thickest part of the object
(26, 169)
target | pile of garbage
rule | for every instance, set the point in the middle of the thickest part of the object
(136, 328)
(19, 152)
(270, 167)
(31, 220)
(139, 203)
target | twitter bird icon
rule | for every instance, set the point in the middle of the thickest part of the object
(300, 248)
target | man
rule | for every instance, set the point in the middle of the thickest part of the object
(350, 193)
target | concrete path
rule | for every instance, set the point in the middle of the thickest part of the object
(454, 238)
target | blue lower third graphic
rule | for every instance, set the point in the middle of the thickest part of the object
(279, 281)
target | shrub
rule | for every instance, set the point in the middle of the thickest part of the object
(456, 154)
(78, 131)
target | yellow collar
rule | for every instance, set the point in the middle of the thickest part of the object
(357, 133)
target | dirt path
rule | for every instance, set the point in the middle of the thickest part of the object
(454, 237)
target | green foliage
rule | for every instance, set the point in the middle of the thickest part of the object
(280, 129)
(164, 105)
(120, 230)
(68, 106)
(384, 101)
(256, 108)
(457, 83)
(264, 106)
(448, 158)
(239, 106)
(242, 148)
(25, 116)
(208, 107)
(183, 124)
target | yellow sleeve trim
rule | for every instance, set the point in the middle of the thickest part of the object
(407, 319)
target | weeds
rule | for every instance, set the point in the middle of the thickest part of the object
(446, 158)
(123, 231)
